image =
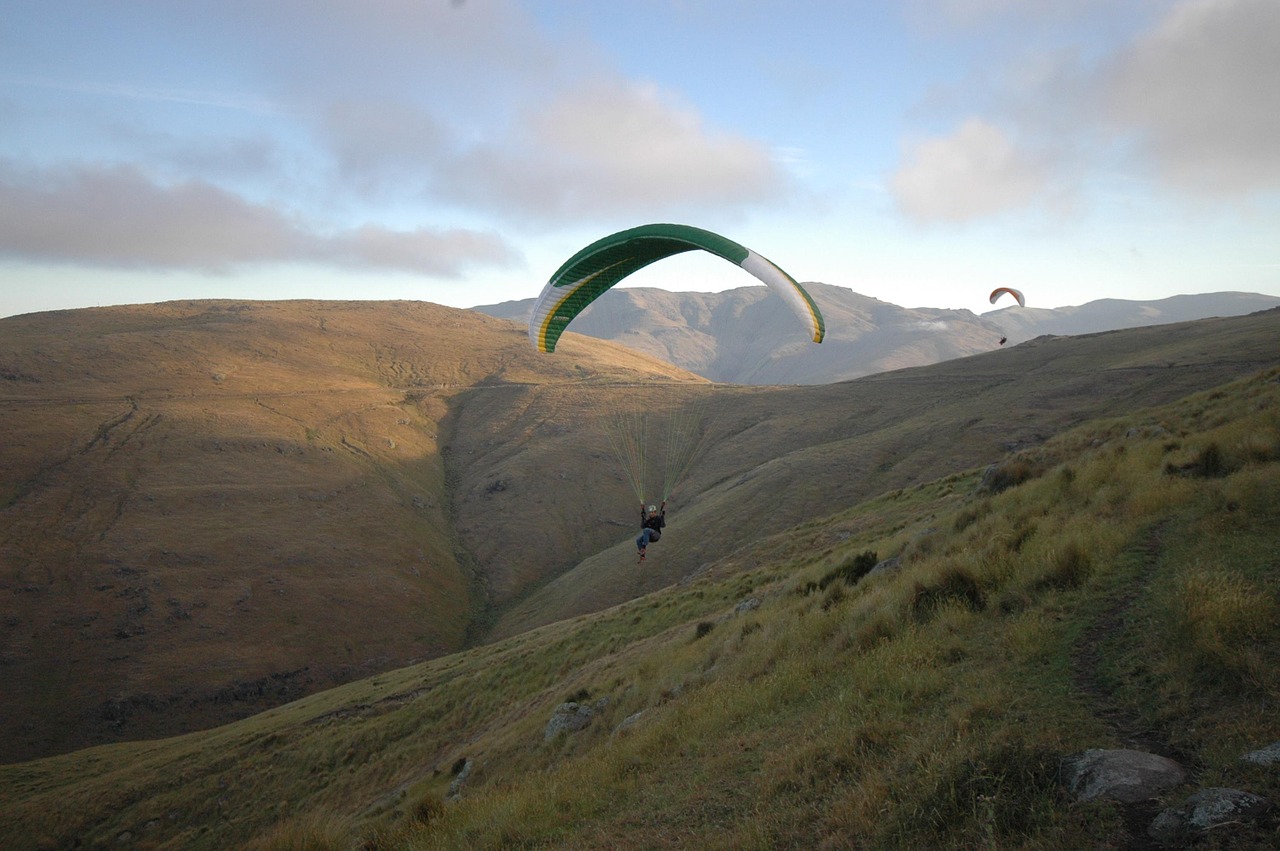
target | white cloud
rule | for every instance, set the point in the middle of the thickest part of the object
(976, 171)
(1201, 94)
(383, 147)
(1187, 97)
(114, 217)
(613, 148)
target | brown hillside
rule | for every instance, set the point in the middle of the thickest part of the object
(784, 455)
(208, 508)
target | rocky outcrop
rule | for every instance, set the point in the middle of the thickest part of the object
(571, 716)
(1270, 755)
(1206, 810)
(1122, 775)
(1136, 778)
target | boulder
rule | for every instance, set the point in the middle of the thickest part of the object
(571, 717)
(1270, 755)
(887, 566)
(1205, 810)
(1122, 775)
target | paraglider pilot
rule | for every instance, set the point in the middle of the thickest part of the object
(651, 522)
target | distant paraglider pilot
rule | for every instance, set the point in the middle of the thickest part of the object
(652, 520)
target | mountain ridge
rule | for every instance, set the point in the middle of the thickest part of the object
(744, 336)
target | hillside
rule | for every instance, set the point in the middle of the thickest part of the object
(744, 336)
(779, 456)
(212, 508)
(1114, 586)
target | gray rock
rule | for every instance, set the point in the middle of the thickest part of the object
(1270, 755)
(746, 605)
(1122, 775)
(887, 566)
(455, 785)
(629, 721)
(1205, 810)
(567, 717)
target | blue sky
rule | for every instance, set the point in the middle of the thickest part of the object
(457, 151)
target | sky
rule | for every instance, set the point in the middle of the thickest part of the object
(921, 152)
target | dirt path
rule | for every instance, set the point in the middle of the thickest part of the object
(1126, 724)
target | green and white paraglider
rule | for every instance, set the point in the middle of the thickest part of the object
(605, 262)
(685, 410)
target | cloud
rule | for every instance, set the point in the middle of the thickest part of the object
(1186, 97)
(165, 94)
(454, 111)
(115, 217)
(976, 14)
(383, 147)
(1199, 95)
(976, 171)
(929, 325)
(613, 148)
(608, 148)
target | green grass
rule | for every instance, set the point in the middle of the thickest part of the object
(925, 707)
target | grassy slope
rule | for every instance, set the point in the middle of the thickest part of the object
(209, 508)
(784, 455)
(1125, 591)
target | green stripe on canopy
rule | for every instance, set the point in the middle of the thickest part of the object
(605, 262)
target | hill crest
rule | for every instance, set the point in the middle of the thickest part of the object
(744, 336)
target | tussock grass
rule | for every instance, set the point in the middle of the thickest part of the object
(1219, 621)
(312, 832)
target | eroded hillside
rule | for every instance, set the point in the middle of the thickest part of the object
(209, 508)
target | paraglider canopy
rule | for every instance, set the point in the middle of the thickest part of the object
(605, 262)
(1017, 294)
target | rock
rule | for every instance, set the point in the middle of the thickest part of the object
(567, 717)
(1270, 755)
(746, 605)
(629, 721)
(1147, 431)
(1205, 810)
(455, 785)
(887, 566)
(1127, 776)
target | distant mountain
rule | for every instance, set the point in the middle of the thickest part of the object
(744, 336)
(1113, 314)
